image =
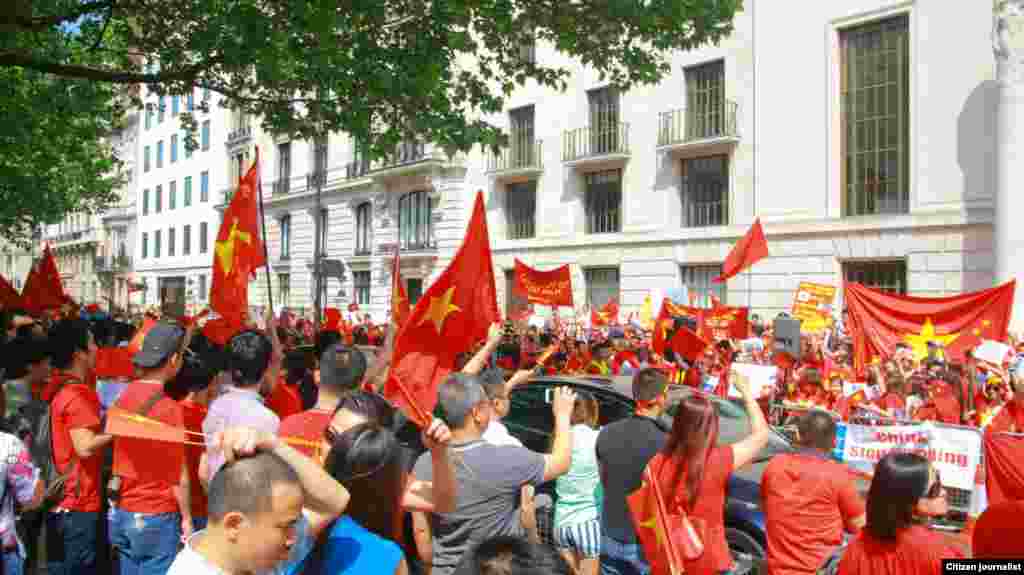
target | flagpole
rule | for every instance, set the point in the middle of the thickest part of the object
(263, 228)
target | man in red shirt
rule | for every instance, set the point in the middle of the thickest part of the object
(809, 500)
(341, 371)
(72, 527)
(152, 506)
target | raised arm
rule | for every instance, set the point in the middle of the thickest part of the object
(479, 361)
(744, 451)
(557, 462)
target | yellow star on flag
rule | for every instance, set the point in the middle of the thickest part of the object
(226, 249)
(919, 341)
(439, 309)
(986, 322)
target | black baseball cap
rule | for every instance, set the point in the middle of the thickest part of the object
(162, 341)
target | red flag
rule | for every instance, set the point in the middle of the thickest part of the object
(399, 300)
(9, 297)
(649, 510)
(220, 330)
(238, 251)
(332, 320)
(751, 248)
(1004, 475)
(449, 319)
(609, 314)
(43, 289)
(117, 361)
(553, 288)
(666, 319)
(688, 344)
(880, 320)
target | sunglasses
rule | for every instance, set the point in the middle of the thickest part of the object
(936, 490)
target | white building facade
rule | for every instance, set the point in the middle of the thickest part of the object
(175, 200)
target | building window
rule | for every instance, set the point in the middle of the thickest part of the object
(188, 191)
(145, 159)
(175, 102)
(174, 148)
(286, 236)
(238, 167)
(602, 286)
(159, 199)
(414, 289)
(149, 116)
(889, 276)
(190, 100)
(204, 187)
(160, 110)
(202, 287)
(172, 195)
(604, 120)
(188, 151)
(705, 192)
(521, 134)
(160, 154)
(324, 220)
(364, 225)
(520, 210)
(414, 221)
(697, 280)
(876, 118)
(156, 244)
(604, 202)
(145, 201)
(145, 245)
(205, 136)
(361, 283)
(513, 301)
(202, 237)
(186, 240)
(705, 101)
(170, 242)
(284, 288)
(284, 167)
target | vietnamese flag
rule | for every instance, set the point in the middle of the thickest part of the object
(238, 251)
(880, 320)
(1004, 478)
(688, 344)
(452, 316)
(9, 297)
(609, 314)
(650, 513)
(43, 289)
(399, 300)
(749, 250)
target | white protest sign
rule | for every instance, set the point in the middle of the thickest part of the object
(762, 378)
(994, 352)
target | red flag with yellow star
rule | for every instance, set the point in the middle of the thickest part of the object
(238, 251)
(653, 523)
(880, 320)
(449, 319)
(399, 301)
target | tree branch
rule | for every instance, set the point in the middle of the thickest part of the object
(41, 22)
(10, 59)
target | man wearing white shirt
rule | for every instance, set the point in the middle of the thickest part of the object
(498, 390)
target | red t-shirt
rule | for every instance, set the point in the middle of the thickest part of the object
(710, 506)
(285, 400)
(193, 415)
(149, 469)
(76, 406)
(915, 551)
(808, 500)
(309, 425)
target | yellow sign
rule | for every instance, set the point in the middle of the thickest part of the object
(812, 305)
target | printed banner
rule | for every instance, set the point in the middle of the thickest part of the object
(762, 379)
(956, 453)
(812, 305)
(552, 287)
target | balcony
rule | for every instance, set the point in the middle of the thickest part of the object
(357, 169)
(75, 237)
(517, 162)
(698, 128)
(282, 186)
(113, 264)
(119, 213)
(239, 135)
(591, 148)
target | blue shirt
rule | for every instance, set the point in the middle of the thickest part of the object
(350, 548)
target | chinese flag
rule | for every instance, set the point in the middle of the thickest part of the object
(399, 301)
(1004, 477)
(449, 319)
(650, 515)
(9, 297)
(238, 251)
(688, 344)
(751, 248)
(609, 314)
(43, 289)
(880, 320)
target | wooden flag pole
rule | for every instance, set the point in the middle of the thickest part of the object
(263, 228)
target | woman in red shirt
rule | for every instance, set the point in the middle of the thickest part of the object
(905, 491)
(695, 471)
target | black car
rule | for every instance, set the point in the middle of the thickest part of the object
(530, 420)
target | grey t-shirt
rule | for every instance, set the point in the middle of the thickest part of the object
(489, 479)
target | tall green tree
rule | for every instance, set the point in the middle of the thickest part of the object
(380, 70)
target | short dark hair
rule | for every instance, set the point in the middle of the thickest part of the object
(249, 355)
(372, 406)
(817, 429)
(342, 368)
(507, 555)
(247, 485)
(326, 339)
(22, 352)
(66, 337)
(900, 480)
(648, 384)
(457, 396)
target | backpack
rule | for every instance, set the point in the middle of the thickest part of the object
(35, 422)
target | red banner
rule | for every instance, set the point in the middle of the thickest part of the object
(726, 322)
(553, 288)
(880, 320)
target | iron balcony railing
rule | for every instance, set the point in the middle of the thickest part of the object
(703, 214)
(239, 134)
(357, 169)
(112, 264)
(696, 123)
(518, 156)
(594, 141)
(404, 154)
(282, 186)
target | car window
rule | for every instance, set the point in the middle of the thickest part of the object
(529, 417)
(611, 407)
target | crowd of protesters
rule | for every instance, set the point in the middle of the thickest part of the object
(293, 461)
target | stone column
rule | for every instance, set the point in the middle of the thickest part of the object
(1008, 229)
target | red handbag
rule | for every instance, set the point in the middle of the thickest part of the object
(686, 533)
